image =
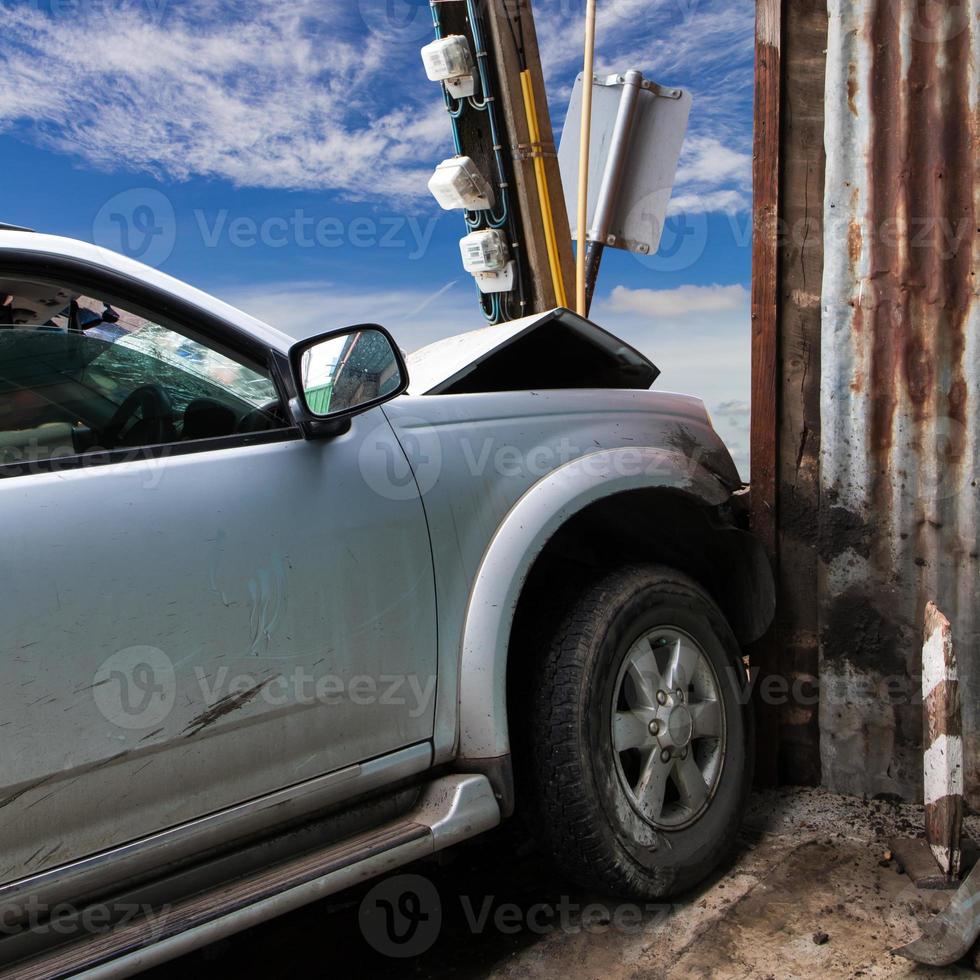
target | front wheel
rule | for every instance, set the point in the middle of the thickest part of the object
(640, 749)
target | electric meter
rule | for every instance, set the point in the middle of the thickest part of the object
(448, 60)
(484, 251)
(487, 258)
(458, 183)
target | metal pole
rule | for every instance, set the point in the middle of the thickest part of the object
(593, 260)
(583, 166)
(612, 180)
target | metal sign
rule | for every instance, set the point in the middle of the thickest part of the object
(638, 130)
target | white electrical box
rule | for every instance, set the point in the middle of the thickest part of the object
(487, 258)
(449, 60)
(497, 282)
(458, 183)
(484, 251)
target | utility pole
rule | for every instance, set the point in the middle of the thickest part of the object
(503, 35)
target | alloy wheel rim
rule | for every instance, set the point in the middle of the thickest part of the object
(668, 728)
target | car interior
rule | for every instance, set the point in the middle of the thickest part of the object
(80, 375)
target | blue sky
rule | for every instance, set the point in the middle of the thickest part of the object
(281, 150)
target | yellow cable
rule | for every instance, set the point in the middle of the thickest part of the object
(547, 215)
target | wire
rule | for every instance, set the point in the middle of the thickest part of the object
(485, 298)
(544, 193)
(454, 110)
(494, 305)
(505, 218)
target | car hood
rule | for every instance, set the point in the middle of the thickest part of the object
(554, 350)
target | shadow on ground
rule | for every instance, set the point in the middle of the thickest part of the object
(494, 898)
(809, 894)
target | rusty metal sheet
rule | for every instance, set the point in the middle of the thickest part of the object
(900, 395)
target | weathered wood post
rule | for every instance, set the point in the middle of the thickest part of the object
(942, 742)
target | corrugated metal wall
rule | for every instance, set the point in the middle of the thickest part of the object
(900, 380)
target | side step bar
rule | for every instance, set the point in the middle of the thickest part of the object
(452, 809)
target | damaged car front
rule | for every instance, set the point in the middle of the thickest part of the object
(590, 550)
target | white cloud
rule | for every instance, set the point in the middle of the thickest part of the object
(708, 161)
(678, 302)
(329, 94)
(735, 409)
(709, 202)
(266, 99)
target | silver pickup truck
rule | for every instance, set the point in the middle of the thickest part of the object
(279, 616)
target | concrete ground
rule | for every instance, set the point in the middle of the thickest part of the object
(809, 894)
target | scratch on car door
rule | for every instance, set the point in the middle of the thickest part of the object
(267, 594)
(228, 704)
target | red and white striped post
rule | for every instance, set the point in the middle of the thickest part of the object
(943, 742)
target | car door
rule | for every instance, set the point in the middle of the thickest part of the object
(191, 626)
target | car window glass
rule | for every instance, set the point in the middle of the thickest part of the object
(78, 375)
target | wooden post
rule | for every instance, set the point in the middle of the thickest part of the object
(512, 50)
(765, 286)
(942, 742)
(515, 44)
(802, 166)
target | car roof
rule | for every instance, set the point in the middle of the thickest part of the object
(18, 242)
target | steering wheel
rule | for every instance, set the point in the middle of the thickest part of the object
(156, 424)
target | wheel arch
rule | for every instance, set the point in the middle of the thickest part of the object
(554, 519)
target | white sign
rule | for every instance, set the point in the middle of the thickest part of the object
(659, 127)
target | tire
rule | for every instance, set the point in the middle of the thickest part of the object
(595, 803)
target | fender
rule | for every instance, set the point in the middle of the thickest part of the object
(520, 538)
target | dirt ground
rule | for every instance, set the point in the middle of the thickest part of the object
(810, 894)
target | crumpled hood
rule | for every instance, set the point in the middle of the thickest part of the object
(555, 350)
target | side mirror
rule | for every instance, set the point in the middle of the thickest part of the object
(340, 374)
